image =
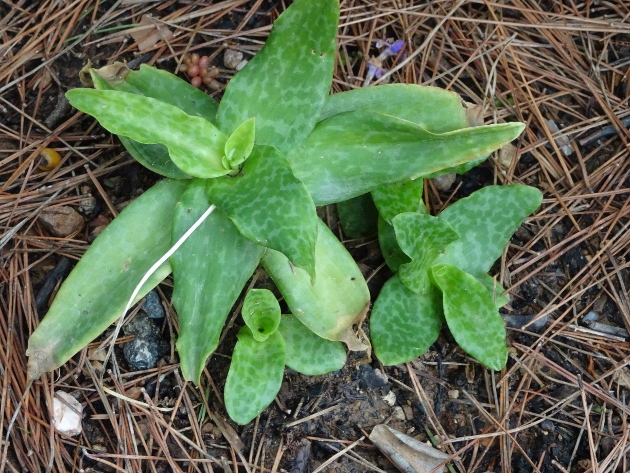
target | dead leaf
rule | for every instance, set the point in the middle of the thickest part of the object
(149, 32)
(407, 453)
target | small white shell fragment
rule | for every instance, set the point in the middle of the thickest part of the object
(67, 414)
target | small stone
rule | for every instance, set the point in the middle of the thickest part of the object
(453, 394)
(232, 58)
(507, 154)
(445, 181)
(390, 398)
(147, 347)
(153, 306)
(547, 425)
(67, 414)
(61, 222)
(399, 414)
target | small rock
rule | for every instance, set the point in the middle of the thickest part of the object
(67, 414)
(453, 394)
(390, 398)
(408, 410)
(147, 347)
(370, 379)
(153, 306)
(61, 222)
(399, 414)
(232, 58)
(445, 181)
(507, 154)
(547, 425)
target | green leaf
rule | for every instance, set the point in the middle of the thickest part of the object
(306, 352)
(352, 153)
(399, 197)
(98, 289)
(485, 222)
(339, 297)
(422, 238)
(358, 216)
(285, 85)
(210, 270)
(239, 145)
(195, 145)
(403, 324)
(394, 256)
(472, 316)
(495, 289)
(255, 375)
(434, 109)
(163, 86)
(270, 206)
(261, 313)
(169, 88)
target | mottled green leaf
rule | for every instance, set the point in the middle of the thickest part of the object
(210, 270)
(270, 206)
(285, 85)
(434, 109)
(163, 86)
(472, 316)
(485, 222)
(306, 352)
(195, 145)
(255, 375)
(169, 88)
(261, 313)
(239, 145)
(98, 289)
(352, 153)
(422, 238)
(403, 324)
(339, 297)
(358, 216)
(394, 256)
(495, 289)
(399, 197)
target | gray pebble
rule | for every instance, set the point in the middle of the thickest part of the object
(153, 306)
(147, 347)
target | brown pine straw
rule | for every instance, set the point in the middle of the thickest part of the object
(526, 61)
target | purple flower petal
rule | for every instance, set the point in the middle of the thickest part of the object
(397, 47)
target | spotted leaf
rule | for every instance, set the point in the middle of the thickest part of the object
(398, 197)
(285, 85)
(485, 221)
(194, 144)
(422, 238)
(255, 375)
(306, 352)
(210, 270)
(261, 313)
(88, 301)
(471, 316)
(270, 206)
(434, 109)
(403, 324)
(352, 153)
(339, 297)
